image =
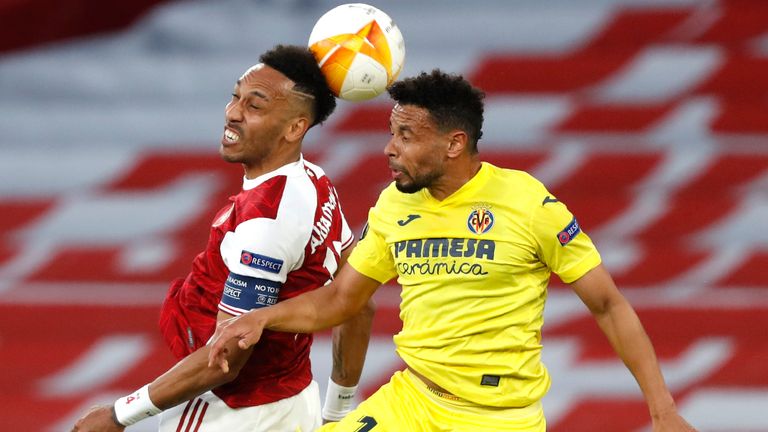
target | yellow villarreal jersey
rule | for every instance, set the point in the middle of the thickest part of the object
(474, 270)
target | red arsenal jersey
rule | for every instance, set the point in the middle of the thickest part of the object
(282, 235)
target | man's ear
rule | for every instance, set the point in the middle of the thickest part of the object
(296, 129)
(457, 143)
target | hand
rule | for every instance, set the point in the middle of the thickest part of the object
(671, 422)
(98, 419)
(246, 328)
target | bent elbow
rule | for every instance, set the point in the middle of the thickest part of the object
(222, 378)
(235, 366)
(228, 377)
(369, 309)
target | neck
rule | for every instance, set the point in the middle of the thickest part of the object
(267, 165)
(454, 179)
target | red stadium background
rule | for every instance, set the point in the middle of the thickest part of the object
(648, 118)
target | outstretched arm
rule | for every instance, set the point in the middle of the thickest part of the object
(190, 377)
(618, 320)
(310, 312)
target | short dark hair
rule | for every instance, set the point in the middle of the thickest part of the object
(299, 65)
(451, 100)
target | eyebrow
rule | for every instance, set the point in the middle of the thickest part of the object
(256, 93)
(259, 94)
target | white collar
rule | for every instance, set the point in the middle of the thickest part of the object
(288, 169)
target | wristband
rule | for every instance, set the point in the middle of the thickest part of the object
(134, 407)
(339, 401)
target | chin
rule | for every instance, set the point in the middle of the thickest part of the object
(228, 157)
(408, 188)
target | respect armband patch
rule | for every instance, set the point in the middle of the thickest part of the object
(261, 262)
(243, 293)
(568, 233)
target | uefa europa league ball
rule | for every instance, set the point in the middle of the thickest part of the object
(359, 49)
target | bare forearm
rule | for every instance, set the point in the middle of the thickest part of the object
(188, 379)
(630, 341)
(350, 344)
(313, 311)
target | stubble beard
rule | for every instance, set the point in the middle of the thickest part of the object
(418, 183)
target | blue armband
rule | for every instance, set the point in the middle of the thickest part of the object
(243, 293)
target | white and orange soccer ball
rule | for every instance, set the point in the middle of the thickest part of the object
(359, 49)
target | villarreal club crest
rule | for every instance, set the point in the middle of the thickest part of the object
(480, 221)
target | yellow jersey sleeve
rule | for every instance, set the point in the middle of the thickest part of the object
(371, 256)
(561, 243)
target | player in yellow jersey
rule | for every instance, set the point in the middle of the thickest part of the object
(473, 247)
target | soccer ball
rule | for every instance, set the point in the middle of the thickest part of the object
(359, 49)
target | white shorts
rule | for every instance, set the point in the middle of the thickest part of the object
(209, 413)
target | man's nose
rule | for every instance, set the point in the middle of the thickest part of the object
(234, 112)
(389, 148)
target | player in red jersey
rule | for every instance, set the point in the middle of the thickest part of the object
(282, 235)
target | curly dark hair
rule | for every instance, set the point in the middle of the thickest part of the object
(452, 102)
(299, 65)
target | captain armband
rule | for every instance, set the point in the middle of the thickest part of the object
(243, 293)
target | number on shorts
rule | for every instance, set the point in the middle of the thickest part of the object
(368, 424)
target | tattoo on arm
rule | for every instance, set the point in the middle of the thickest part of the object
(338, 360)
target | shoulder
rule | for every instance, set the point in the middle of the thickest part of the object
(289, 198)
(520, 185)
(510, 175)
(261, 201)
